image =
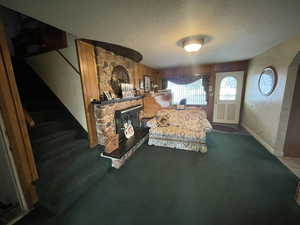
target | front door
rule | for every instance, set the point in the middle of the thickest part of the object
(228, 96)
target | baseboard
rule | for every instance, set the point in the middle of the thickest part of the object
(260, 140)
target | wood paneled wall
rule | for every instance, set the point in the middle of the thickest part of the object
(205, 69)
(141, 70)
(186, 71)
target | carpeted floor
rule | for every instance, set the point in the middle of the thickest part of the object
(238, 182)
(67, 167)
(229, 128)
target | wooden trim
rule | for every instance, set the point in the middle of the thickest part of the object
(15, 124)
(203, 69)
(186, 71)
(230, 66)
(90, 85)
(29, 121)
(211, 97)
(67, 61)
(243, 95)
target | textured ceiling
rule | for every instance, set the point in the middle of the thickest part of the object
(237, 29)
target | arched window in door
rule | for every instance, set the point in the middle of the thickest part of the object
(228, 89)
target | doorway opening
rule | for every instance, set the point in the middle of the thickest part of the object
(12, 203)
(228, 97)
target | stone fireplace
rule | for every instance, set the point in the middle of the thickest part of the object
(105, 116)
(111, 112)
(125, 115)
(110, 117)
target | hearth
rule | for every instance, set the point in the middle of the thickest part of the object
(123, 116)
(110, 117)
(127, 144)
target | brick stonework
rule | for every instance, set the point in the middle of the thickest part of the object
(117, 163)
(106, 61)
(105, 118)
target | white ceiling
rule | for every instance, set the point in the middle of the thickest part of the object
(239, 29)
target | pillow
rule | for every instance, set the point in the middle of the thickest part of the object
(152, 123)
(163, 121)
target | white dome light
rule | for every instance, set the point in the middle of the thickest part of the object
(192, 46)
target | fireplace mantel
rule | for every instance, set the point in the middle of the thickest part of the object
(95, 102)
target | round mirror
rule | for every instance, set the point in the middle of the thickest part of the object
(267, 81)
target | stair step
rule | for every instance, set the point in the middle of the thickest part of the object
(65, 137)
(42, 104)
(66, 165)
(50, 115)
(63, 150)
(61, 195)
(58, 122)
(52, 137)
(51, 127)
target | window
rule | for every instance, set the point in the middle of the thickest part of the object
(194, 93)
(228, 89)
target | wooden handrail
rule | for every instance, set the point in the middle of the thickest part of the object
(29, 121)
(70, 64)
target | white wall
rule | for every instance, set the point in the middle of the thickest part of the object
(61, 78)
(266, 117)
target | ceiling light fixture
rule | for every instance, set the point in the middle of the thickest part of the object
(192, 45)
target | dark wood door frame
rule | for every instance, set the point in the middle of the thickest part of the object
(14, 121)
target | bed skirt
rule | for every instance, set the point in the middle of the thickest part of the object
(178, 144)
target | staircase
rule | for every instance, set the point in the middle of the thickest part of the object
(67, 167)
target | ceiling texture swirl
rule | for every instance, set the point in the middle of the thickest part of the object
(235, 29)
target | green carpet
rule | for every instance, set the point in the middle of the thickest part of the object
(237, 182)
(67, 167)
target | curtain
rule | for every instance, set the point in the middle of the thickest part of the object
(187, 80)
(205, 83)
(183, 79)
(164, 83)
